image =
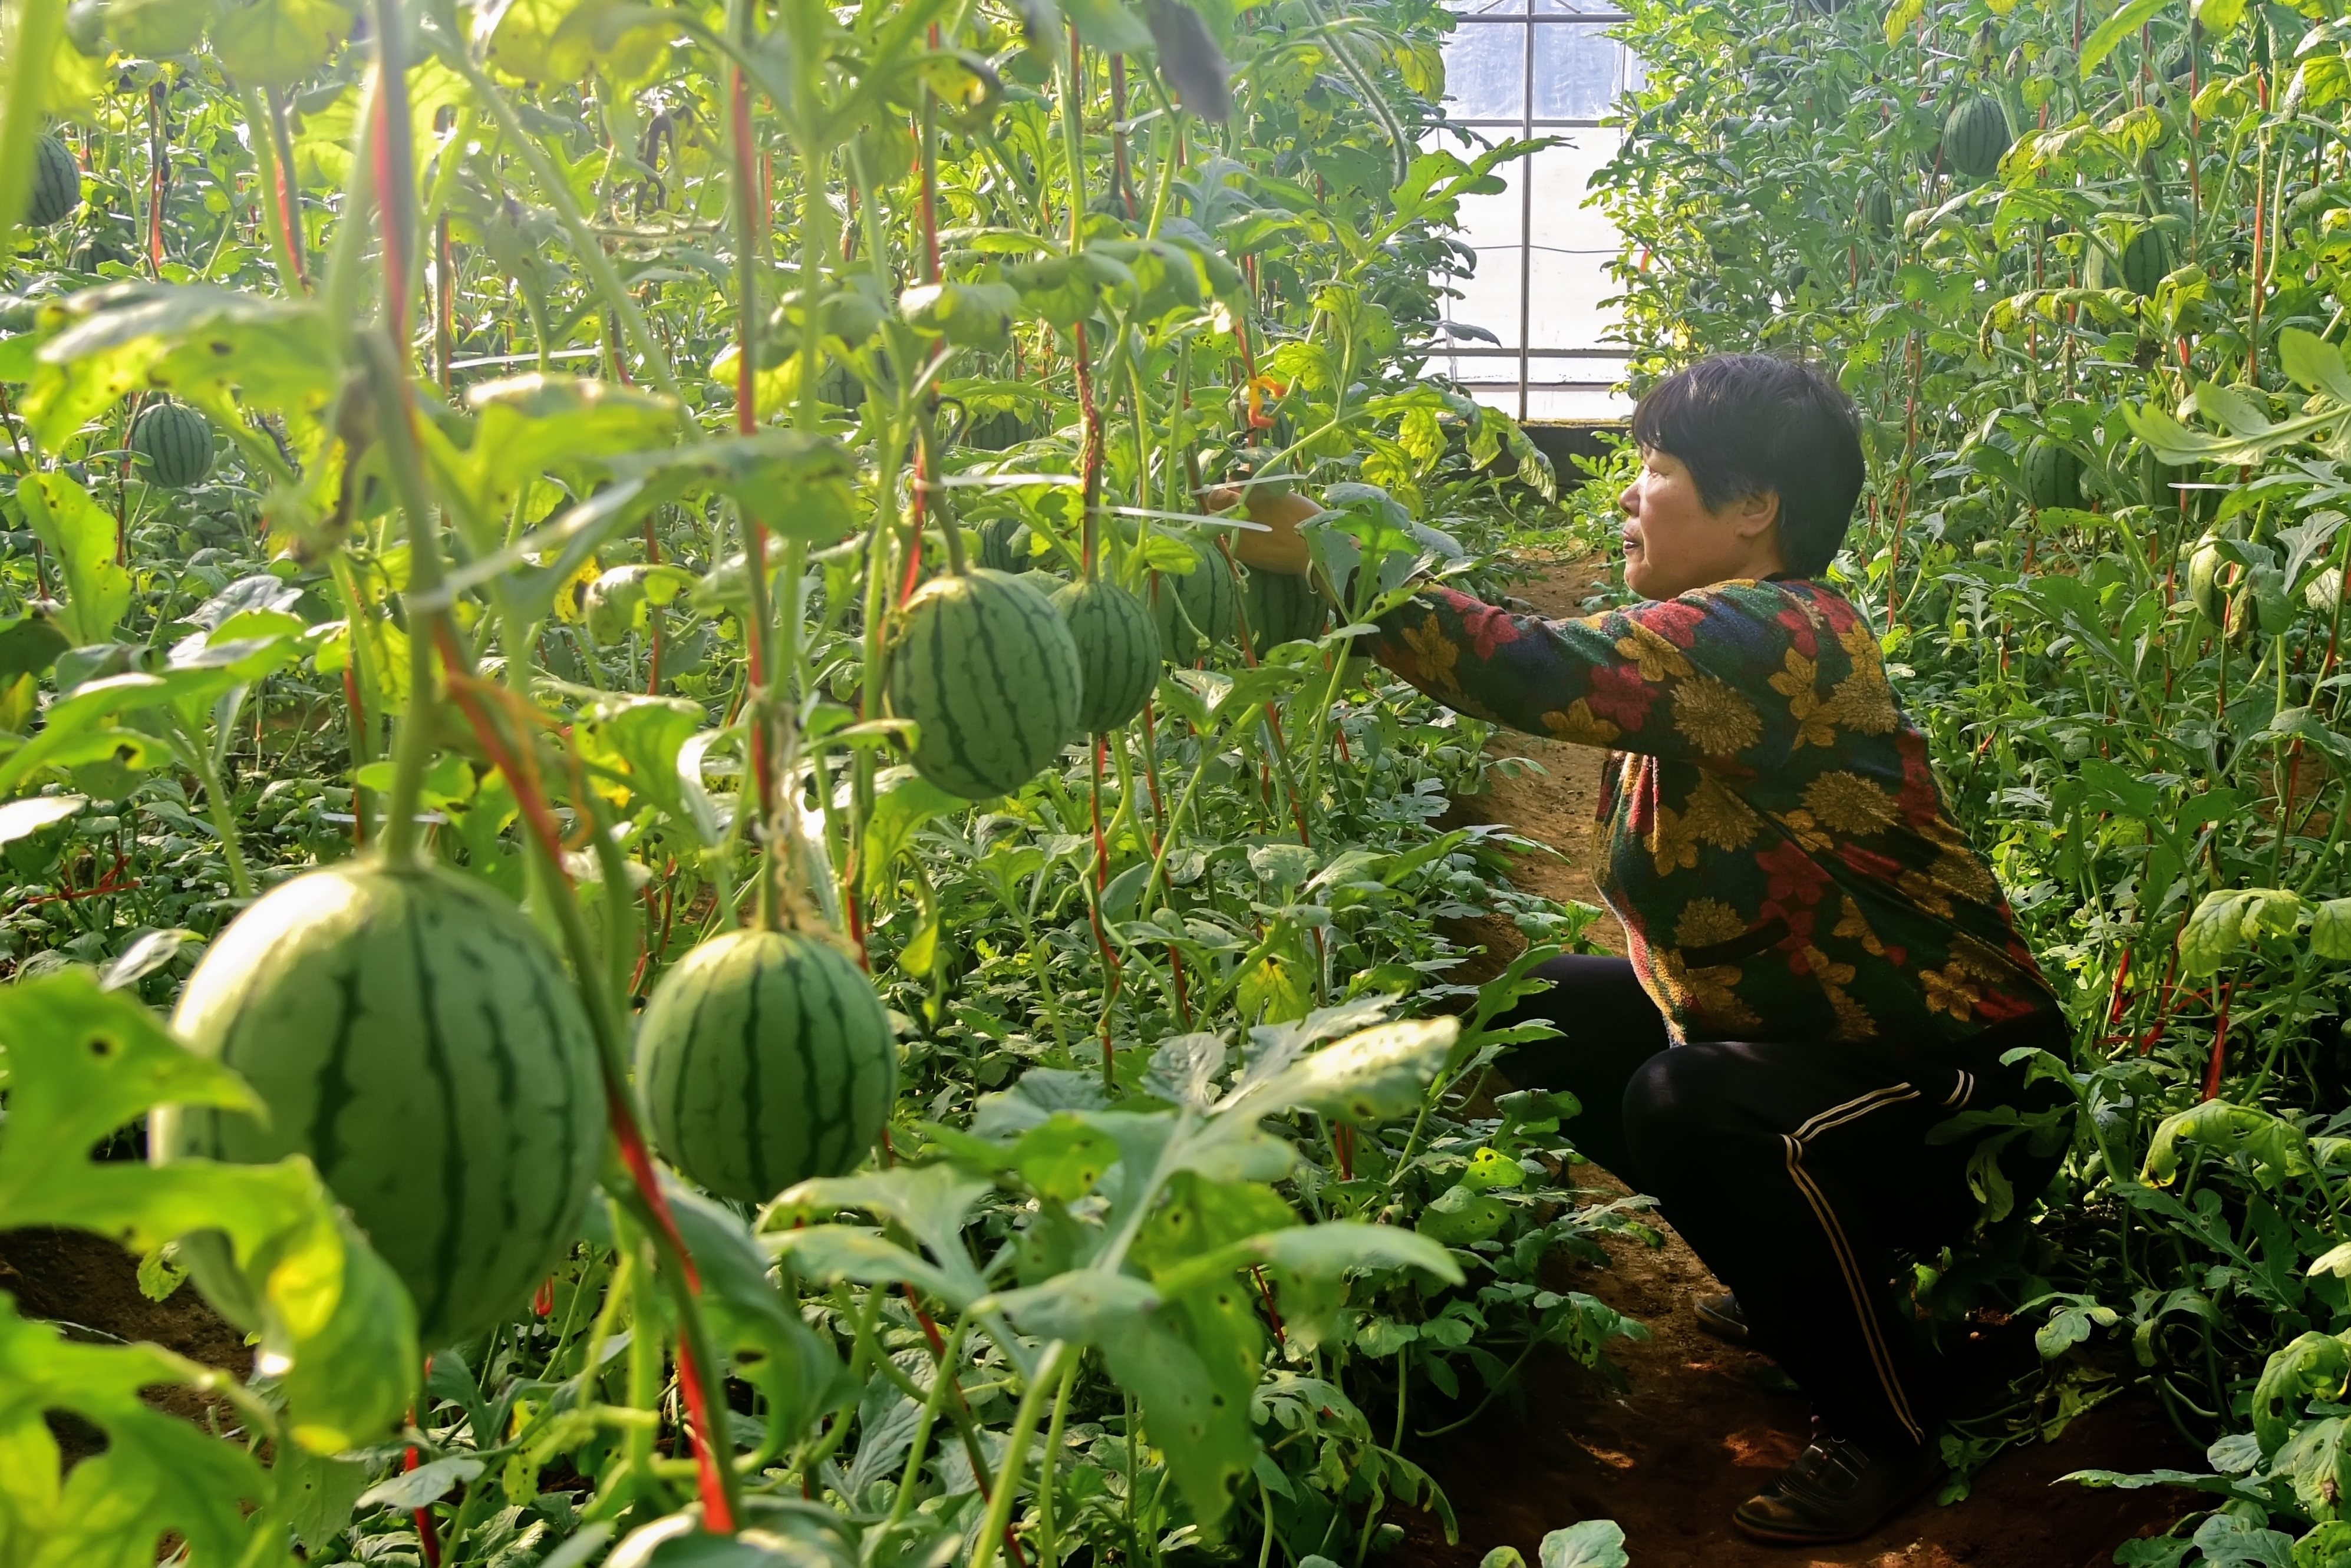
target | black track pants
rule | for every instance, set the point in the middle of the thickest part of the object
(1798, 1170)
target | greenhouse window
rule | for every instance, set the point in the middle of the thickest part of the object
(1530, 333)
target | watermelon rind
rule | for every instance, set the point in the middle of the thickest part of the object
(1282, 607)
(56, 181)
(765, 1059)
(173, 444)
(1118, 651)
(2053, 475)
(413, 1035)
(1195, 610)
(986, 669)
(1976, 137)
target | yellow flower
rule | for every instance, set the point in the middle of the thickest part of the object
(1850, 922)
(1579, 725)
(1815, 720)
(1848, 803)
(1949, 990)
(1926, 892)
(1658, 659)
(1808, 832)
(1796, 677)
(1963, 874)
(1672, 843)
(1436, 653)
(1707, 921)
(1854, 1021)
(1719, 817)
(1709, 993)
(1714, 718)
(1861, 700)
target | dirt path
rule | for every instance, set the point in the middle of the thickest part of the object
(1696, 1432)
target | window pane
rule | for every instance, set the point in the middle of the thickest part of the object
(1486, 71)
(1577, 72)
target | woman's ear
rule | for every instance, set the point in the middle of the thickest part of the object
(1752, 517)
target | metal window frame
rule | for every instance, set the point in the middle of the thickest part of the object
(1526, 124)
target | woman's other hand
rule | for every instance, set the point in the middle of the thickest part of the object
(1278, 510)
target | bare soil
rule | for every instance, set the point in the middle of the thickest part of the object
(1696, 1432)
(89, 1288)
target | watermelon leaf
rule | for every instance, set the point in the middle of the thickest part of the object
(335, 1325)
(80, 536)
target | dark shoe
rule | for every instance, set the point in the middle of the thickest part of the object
(1838, 1490)
(1720, 1316)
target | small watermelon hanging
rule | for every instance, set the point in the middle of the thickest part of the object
(986, 667)
(1976, 137)
(766, 1059)
(173, 444)
(56, 181)
(1118, 650)
(2053, 475)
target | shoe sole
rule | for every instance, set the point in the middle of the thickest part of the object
(1724, 1329)
(1770, 1536)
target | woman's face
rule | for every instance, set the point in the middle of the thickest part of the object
(1674, 544)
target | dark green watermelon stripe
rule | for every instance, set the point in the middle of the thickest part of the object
(503, 1068)
(442, 1076)
(755, 1104)
(568, 1163)
(336, 1090)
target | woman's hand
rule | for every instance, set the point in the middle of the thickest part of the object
(1278, 510)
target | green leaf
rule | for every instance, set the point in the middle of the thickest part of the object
(2227, 922)
(1365, 1078)
(902, 801)
(2313, 362)
(83, 1062)
(2330, 929)
(158, 1475)
(1595, 1544)
(82, 540)
(2278, 1149)
(277, 43)
(2111, 32)
(1199, 1420)
(191, 340)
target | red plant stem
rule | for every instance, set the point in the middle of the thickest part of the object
(1343, 1144)
(392, 207)
(428, 1533)
(1265, 1288)
(1090, 420)
(158, 149)
(939, 1353)
(2220, 1046)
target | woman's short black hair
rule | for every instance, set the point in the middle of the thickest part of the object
(1745, 424)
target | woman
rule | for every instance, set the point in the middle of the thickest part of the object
(1820, 968)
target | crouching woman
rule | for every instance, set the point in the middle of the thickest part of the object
(1820, 968)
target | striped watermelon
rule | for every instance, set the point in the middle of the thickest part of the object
(1118, 650)
(1976, 137)
(765, 1059)
(56, 181)
(1878, 212)
(1004, 545)
(2146, 263)
(1282, 608)
(2053, 475)
(988, 669)
(173, 444)
(413, 1035)
(1196, 609)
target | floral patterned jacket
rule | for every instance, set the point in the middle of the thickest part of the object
(1770, 832)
